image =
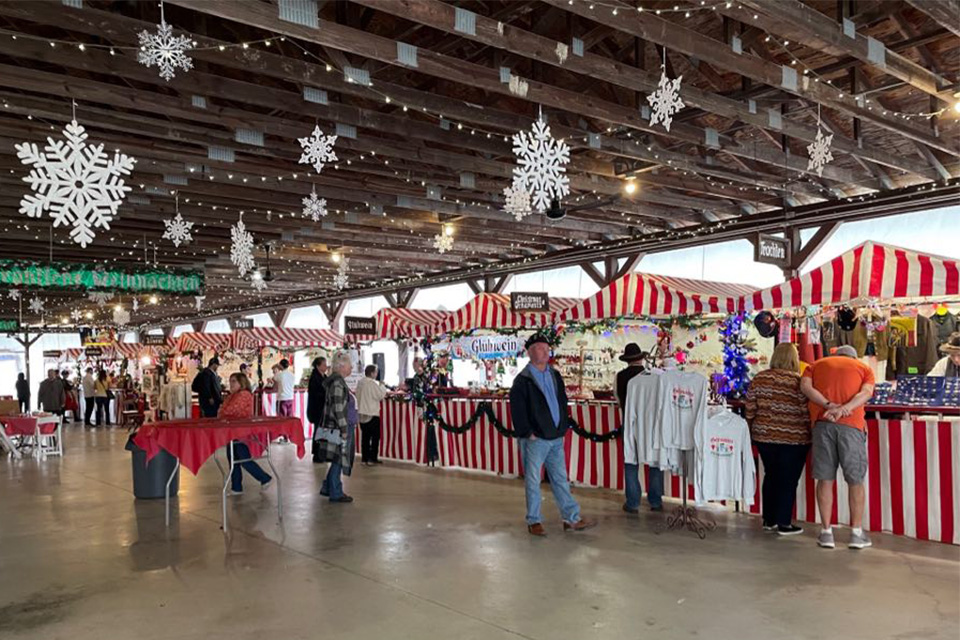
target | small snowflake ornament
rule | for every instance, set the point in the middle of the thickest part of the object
(820, 154)
(165, 50)
(259, 284)
(77, 183)
(198, 301)
(121, 316)
(135, 304)
(36, 305)
(100, 297)
(241, 247)
(442, 242)
(341, 278)
(76, 315)
(13, 294)
(541, 165)
(314, 207)
(518, 202)
(665, 101)
(318, 149)
(178, 230)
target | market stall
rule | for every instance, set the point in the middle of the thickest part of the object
(397, 324)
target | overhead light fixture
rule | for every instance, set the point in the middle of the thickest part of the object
(335, 257)
(119, 307)
(448, 229)
(956, 106)
(88, 315)
(153, 299)
(630, 187)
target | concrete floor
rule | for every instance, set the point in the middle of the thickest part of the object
(423, 554)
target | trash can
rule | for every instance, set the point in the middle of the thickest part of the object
(150, 478)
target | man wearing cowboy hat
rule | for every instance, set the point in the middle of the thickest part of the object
(949, 365)
(634, 356)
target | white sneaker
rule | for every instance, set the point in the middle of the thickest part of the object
(265, 485)
(825, 540)
(861, 541)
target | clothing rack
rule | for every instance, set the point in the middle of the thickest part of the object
(685, 516)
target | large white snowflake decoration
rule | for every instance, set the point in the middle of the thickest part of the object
(442, 242)
(178, 230)
(36, 305)
(77, 183)
(819, 151)
(241, 247)
(314, 207)
(121, 316)
(198, 301)
(13, 294)
(165, 50)
(318, 149)
(341, 278)
(665, 101)
(541, 165)
(100, 297)
(76, 315)
(518, 202)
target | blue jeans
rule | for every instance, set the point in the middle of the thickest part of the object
(240, 451)
(538, 454)
(631, 474)
(333, 483)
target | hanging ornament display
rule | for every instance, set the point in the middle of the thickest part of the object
(178, 229)
(541, 165)
(100, 297)
(318, 149)
(76, 315)
(165, 50)
(135, 304)
(241, 247)
(36, 305)
(198, 302)
(341, 278)
(120, 315)
(518, 202)
(665, 101)
(79, 184)
(257, 282)
(314, 207)
(819, 150)
(443, 241)
(13, 294)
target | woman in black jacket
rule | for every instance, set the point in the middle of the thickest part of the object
(315, 398)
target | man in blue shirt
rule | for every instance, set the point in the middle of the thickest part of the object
(538, 406)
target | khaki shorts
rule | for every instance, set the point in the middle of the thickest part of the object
(839, 445)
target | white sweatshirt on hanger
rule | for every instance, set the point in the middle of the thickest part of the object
(724, 467)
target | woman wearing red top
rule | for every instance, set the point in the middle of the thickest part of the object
(239, 404)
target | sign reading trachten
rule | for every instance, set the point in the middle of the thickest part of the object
(359, 326)
(772, 250)
(529, 301)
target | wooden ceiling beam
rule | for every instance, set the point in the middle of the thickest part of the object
(946, 13)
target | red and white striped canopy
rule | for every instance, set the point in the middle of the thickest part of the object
(408, 323)
(196, 341)
(115, 351)
(643, 294)
(870, 271)
(280, 337)
(492, 311)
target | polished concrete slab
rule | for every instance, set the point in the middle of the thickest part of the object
(423, 553)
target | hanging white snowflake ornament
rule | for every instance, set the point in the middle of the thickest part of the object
(13, 294)
(820, 154)
(100, 297)
(121, 316)
(318, 149)
(135, 304)
(518, 202)
(541, 165)
(257, 282)
(241, 247)
(165, 50)
(198, 301)
(36, 305)
(77, 183)
(76, 315)
(341, 278)
(442, 242)
(178, 230)
(314, 207)
(665, 101)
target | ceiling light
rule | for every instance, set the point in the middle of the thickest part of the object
(448, 229)
(335, 257)
(118, 308)
(153, 299)
(630, 187)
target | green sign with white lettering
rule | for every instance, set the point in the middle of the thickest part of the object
(9, 325)
(55, 275)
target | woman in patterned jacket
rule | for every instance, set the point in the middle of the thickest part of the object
(335, 435)
(780, 428)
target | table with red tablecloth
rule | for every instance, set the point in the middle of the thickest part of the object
(35, 427)
(912, 484)
(193, 442)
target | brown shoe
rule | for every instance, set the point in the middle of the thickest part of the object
(537, 530)
(580, 525)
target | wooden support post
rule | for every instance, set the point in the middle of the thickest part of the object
(492, 284)
(279, 317)
(800, 256)
(27, 342)
(333, 311)
(401, 299)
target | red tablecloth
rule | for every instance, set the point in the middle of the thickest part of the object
(26, 426)
(194, 441)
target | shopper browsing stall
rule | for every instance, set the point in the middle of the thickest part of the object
(540, 412)
(949, 364)
(635, 357)
(207, 387)
(370, 392)
(336, 436)
(88, 385)
(837, 388)
(315, 397)
(239, 404)
(283, 383)
(51, 395)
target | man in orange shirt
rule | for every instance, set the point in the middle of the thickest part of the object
(837, 388)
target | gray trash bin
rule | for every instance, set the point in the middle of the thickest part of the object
(150, 478)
